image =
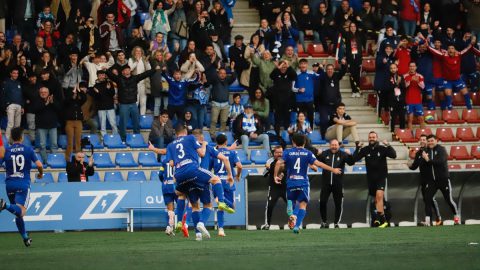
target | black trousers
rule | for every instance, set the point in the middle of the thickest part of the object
(178, 111)
(308, 109)
(446, 188)
(325, 112)
(400, 112)
(434, 202)
(334, 187)
(274, 193)
(282, 118)
(355, 69)
(382, 98)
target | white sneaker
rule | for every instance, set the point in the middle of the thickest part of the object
(354, 95)
(221, 232)
(198, 237)
(169, 231)
(203, 230)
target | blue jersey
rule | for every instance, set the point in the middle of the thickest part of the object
(210, 155)
(219, 167)
(18, 163)
(296, 163)
(183, 152)
(166, 176)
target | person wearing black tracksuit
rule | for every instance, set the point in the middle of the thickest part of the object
(332, 183)
(438, 178)
(377, 171)
(275, 191)
(418, 162)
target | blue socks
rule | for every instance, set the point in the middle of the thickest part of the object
(228, 202)
(218, 191)
(205, 214)
(189, 214)
(14, 209)
(21, 227)
(448, 102)
(300, 215)
(180, 208)
(431, 104)
(195, 219)
(220, 218)
(468, 101)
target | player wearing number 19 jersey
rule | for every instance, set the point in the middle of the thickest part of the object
(297, 160)
(18, 159)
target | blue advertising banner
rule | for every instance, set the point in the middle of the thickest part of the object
(100, 205)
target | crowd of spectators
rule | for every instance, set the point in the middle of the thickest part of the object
(65, 62)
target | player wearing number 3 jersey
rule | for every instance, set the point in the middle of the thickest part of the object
(297, 160)
(18, 160)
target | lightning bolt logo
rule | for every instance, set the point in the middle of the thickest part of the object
(37, 206)
(104, 204)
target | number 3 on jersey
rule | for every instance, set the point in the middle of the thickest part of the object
(181, 152)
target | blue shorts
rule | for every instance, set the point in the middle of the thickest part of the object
(203, 194)
(169, 198)
(192, 177)
(428, 88)
(456, 85)
(298, 194)
(416, 109)
(18, 194)
(438, 84)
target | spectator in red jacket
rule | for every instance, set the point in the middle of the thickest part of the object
(402, 54)
(117, 8)
(415, 83)
(49, 34)
(410, 16)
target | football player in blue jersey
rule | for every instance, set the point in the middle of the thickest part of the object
(18, 162)
(184, 154)
(212, 155)
(296, 160)
(220, 170)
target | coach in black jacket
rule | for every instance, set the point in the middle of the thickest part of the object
(377, 171)
(78, 170)
(332, 183)
(438, 178)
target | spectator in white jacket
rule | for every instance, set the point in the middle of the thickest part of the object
(98, 62)
(191, 67)
(139, 64)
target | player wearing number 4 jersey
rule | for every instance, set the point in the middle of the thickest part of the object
(297, 160)
(18, 160)
(184, 153)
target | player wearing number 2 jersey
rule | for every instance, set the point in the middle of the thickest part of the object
(297, 160)
(18, 160)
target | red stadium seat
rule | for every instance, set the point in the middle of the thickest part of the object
(435, 120)
(301, 52)
(452, 117)
(445, 135)
(470, 116)
(412, 151)
(475, 98)
(420, 131)
(366, 83)
(372, 100)
(368, 65)
(454, 167)
(466, 134)
(316, 50)
(475, 166)
(458, 99)
(385, 116)
(405, 135)
(460, 153)
(475, 151)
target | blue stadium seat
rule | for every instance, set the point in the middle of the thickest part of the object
(136, 176)
(226, 47)
(207, 137)
(94, 140)
(113, 141)
(2, 178)
(136, 141)
(316, 119)
(62, 141)
(244, 99)
(125, 160)
(47, 179)
(94, 178)
(34, 166)
(229, 135)
(146, 121)
(129, 122)
(62, 177)
(286, 137)
(246, 172)
(316, 138)
(359, 169)
(27, 141)
(242, 155)
(113, 176)
(259, 156)
(154, 176)
(148, 159)
(293, 117)
(5, 140)
(56, 161)
(102, 160)
(236, 87)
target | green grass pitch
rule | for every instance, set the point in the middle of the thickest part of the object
(390, 248)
